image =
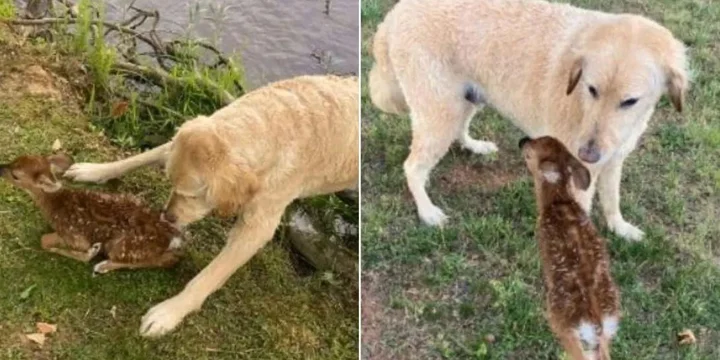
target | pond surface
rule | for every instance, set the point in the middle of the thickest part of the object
(276, 39)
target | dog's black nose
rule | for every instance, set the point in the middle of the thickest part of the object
(523, 141)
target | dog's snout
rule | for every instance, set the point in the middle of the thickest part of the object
(168, 216)
(590, 152)
(523, 141)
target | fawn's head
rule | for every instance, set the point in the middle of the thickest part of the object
(550, 162)
(36, 173)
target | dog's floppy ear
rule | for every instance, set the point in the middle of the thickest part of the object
(59, 163)
(677, 85)
(575, 74)
(231, 186)
(580, 174)
(677, 76)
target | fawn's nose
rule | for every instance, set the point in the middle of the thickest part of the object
(523, 141)
(168, 216)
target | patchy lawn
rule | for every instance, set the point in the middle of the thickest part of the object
(473, 290)
(268, 310)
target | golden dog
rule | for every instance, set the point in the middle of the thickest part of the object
(588, 78)
(291, 139)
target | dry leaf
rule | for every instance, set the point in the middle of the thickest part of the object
(57, 145)
(113, 311)
(119, 108)
(686, 337)
(46, 328)
(37, 338)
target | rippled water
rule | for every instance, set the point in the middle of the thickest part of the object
(276, 39)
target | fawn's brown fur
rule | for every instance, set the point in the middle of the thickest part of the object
(87, 223)
(582, 299)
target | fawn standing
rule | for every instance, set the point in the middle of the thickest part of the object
(582, 300)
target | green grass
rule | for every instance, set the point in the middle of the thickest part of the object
(430, 293)
(272, 308)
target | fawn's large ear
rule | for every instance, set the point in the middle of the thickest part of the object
(47, 183)
(575, 74)
(59, 163)
(580, 174)
(550, 171)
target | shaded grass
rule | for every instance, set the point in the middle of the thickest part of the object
(266, 311)
(441, 292)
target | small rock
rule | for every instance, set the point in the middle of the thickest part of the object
(45, 328)
(489, 338)
(57, 145)
(686, 337)
(38, 338)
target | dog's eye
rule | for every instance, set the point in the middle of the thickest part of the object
(628, 103)
(593, 91)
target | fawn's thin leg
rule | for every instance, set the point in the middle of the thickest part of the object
(55, 244)
(572, 345)
(167, 259)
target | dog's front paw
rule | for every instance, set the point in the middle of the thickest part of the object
(625, 230)
(163, 317)
(481, 147)
(432, 216)
(87, 172)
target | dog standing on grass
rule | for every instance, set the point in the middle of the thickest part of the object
(290, 139)
(583, 303)
(590, 79)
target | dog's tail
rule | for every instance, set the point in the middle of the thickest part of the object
(385, 91)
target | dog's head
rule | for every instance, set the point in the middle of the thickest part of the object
(36, 173)
(205, 174)
(619, 70)
(550, 162)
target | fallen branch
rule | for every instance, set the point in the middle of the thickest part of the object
(161, 76)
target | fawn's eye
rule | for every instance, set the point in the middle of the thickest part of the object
(628, 103)
(593, 91)
(14, 176)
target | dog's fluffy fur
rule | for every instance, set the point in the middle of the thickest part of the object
(291, 139)
(588, 78)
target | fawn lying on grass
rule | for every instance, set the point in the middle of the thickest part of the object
(582, 300)
(88, 223)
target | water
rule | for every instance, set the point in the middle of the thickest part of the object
(276, 39)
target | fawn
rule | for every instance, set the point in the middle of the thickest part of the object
(88, 223)
(581, 298)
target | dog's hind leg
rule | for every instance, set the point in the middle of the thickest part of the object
(253, 230)
(437, 115)
(474, 95)
(100, 173)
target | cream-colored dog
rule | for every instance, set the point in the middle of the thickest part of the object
(588, 78)
(291, 139)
